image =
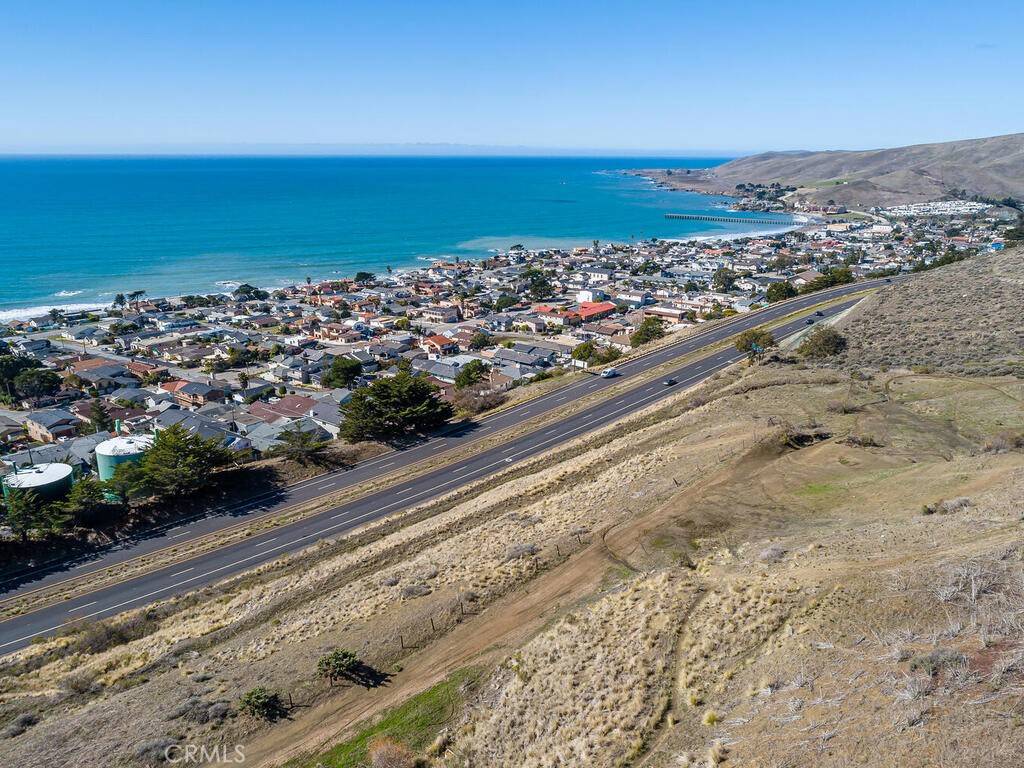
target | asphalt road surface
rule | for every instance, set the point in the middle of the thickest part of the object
(222, 562)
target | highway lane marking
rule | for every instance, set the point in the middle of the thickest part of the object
(80, 607)
(390, 463)
(460, 469)
(324, 487)
(264, 543)
(174, 575)
(179, 535)
(402, 493)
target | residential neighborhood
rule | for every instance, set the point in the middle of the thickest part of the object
(245, 366)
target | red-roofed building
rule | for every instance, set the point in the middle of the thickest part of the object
(595, 310)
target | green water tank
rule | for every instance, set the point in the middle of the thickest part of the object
(118, 450)
(50, 482)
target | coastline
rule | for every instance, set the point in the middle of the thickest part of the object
(205, 257)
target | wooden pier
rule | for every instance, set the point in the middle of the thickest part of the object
(724, 219)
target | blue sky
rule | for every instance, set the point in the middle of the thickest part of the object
(711, 76)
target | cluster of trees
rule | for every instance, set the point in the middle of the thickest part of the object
(394, 408)
(11, 367)
(539, 286)
(594, 354)
(301, 446)
(247, 292)
(343, 373)
(723, 280)
(779, 292)
(650, 329)
(830, 279)
(471, 373)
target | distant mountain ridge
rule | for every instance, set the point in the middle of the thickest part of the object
(991, 167)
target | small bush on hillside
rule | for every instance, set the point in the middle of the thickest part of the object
(947, 506)
(934, 662)
(388, 753)
(262, 703)
(824, 341)
(841, 406)
(19, 725)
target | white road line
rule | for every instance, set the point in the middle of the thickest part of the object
(460, 469)
(181, 572)
(390, 463)
(179, 535)
(402, 493)
(80, 607)
(264, 543)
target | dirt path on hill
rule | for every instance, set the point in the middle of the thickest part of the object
(480, 640)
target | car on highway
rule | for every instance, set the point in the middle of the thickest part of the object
(809, 321)
(670, 382)
(819, 313)
(609, 373)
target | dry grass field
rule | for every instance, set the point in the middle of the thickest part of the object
(964, 318)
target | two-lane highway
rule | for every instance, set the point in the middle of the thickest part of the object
(251, 552)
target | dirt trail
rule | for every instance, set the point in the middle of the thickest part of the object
(480, 639)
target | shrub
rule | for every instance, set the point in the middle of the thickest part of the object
(154, 750)
(841, 406)
(947, 506)
(337, 664)
(388, 753)
(519, 551)
(262, 703)
(415, 590)
(477, 399)
(933, 663)
(19, 725)
(755, 342)
(864, 441)
(83, 681)
(824, 341)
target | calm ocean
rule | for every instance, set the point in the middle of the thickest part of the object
(73, 231)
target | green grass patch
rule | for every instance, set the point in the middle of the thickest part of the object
(415, 723)
(816, 489)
